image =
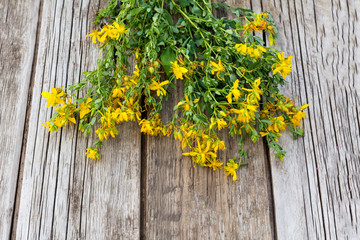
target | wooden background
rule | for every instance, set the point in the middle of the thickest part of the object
(143, 188)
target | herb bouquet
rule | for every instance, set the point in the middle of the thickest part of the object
(230, 79)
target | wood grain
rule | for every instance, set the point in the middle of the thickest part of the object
(64, 195)
(316, 188)
(184, 202)
(313, 194)
(17, 46)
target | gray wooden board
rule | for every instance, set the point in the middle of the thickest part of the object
(184, 202)
(17, 47)
(316, 188)
(65, 195)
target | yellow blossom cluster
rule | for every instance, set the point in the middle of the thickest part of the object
(158, 87)
(283, 66)
(203, 147)
(255, 52)
(64, 113)
(293, 114)
(234, 92)
(231, 168)
(93, 153)
(258, 23)
(55, 97)
(178, 69)
(217, 68)
(155, 127)
(113, 31)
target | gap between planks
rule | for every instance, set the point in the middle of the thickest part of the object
(143, 178)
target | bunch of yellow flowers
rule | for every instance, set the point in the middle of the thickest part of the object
(230, 80)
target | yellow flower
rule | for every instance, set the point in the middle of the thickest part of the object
(65, 114)
(255, 92)
(131, 114)
(283, 66)
(215, 164)
(185, 105)
(217, 67)
(183, 138)
(201, 153)
(153, 127)
(54, 98)
(296, 118)
(146, 127)
(104, 132)
(119, 116)
(51, 125)
(155, 86)
(130, 102)
(242, 48)
(258, 23)
(105, 32)
(234, 91)
(277, 125)
(117, 30)
(230, 169)
(212, 124)
(94, 35)
(114, 31)
(106, 119)
(251, 51)
(92, 153)
(178, 70)
(218, 144)
(85, 108)
(118, 92)
(246, 114)
(263, 134)
(136, 72)
(304, 107)
(221, 123)
(257, 52)
(243, 115)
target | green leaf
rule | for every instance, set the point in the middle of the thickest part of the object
(166, 58)
(184, 3)
(199, 42)
(135, 11)
(229, 31)
(201, 117)
(254, 136)
(175, 30)
(196, 11)
(190, 89)
(267, 122)
(168, 17)
(93, 121)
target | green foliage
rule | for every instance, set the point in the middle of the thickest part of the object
(230, 79)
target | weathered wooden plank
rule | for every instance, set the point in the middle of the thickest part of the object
(316, 188)
(64, 195)
(17, 46)
(184, 202)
